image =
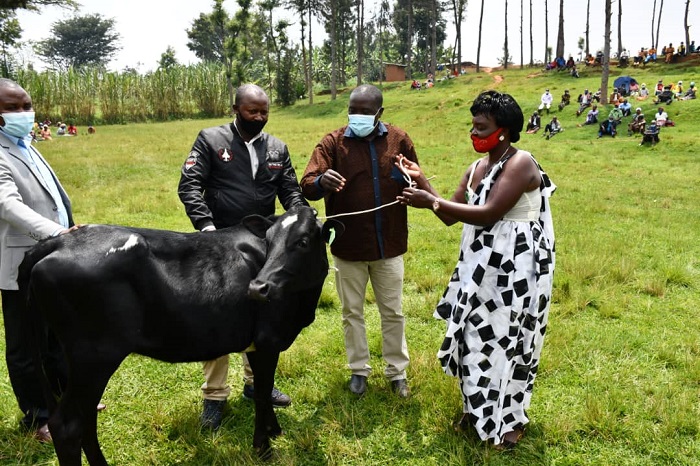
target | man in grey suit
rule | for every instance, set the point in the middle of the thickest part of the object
(33, 206)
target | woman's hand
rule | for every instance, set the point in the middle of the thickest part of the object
(418, 198)
(407, 166)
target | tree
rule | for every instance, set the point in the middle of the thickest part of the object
(89, 40)
(685, 23)
(619, 28)
(658, 24)
(522, 63)
(10, 33)
(547, 50)
(458, 7)
(478, 47)
(653, 18)
(560, 34)
(218, 38)
(35, 4)
(360, 33)
(606, 55)
(532, 47)
(588, 27)
(505, 40)
(167, 59)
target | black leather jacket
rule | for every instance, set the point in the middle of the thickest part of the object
(217, 186)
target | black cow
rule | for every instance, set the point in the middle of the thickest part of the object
(109, 291)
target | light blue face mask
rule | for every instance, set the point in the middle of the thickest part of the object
(18, 124)
(362, 125)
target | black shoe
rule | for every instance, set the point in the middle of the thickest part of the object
(358, 384)
(212, 414)
(400, 387)
(279, 399)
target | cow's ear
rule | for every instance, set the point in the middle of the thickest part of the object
(331, 230)
(257, 224)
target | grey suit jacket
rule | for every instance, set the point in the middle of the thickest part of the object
(28, 213)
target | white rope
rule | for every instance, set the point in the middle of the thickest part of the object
(407, 179)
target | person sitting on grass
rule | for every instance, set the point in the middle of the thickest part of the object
(565, 100)
(534, 123)
(690, 93)
(591, 116)
(626, 108)
(584, 101)
(651, 134)
(637, 124)
(616, 114)
(662, 119)
(608, 127)
(72, 130)
(552, 128)
(643, 92)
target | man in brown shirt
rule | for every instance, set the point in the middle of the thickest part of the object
(353, 169)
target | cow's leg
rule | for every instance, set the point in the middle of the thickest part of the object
(264, 365)
(77, 414)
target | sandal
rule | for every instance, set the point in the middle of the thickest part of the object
(510, 439)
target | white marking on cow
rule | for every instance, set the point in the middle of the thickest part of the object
(291, 220)
(130, 243)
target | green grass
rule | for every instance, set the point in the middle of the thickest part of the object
(619, 380)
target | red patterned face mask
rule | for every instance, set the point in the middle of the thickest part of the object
(488, 143)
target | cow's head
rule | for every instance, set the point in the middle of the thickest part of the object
(296, 254)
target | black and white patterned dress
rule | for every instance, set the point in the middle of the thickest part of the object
(496, 307)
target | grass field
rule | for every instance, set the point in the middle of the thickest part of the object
(619, 380)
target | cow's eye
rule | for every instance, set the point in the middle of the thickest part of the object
(302, 243)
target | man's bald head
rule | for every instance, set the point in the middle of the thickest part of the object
(249, 92)
(368, 93)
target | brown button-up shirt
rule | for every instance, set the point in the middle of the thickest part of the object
(371, 180)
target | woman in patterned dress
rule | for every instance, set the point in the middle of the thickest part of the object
(497, 301)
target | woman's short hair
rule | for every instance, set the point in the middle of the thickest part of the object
(503, 109)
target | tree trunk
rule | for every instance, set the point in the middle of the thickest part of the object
(619, 28)
(653, 19)
(560, 34)
(505, 40)
(658, 25)
(304, 61)
(606, 55)
(334, 50)
(433, 36)
(478, 46)
(360, 36)
(685, 24)
(546, 33)
(409, 32)
(522, 63)
(532, 46)
(588, 28)
(311, 62)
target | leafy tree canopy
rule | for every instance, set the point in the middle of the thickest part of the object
(35, 4)
(167, 58)
(80, 41)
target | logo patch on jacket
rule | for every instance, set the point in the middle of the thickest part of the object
(191, 160)
(225, 155)
(274, 160)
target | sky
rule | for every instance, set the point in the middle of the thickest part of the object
(148, 27)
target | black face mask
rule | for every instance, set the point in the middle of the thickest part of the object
(252, 127)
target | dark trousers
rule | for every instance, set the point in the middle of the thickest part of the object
(20, 357)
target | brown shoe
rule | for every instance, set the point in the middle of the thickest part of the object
(42, 434)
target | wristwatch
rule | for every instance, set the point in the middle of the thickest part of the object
(436, 204)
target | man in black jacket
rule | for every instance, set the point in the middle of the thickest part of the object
(232, 171)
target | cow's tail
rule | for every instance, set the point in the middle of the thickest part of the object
(37, 328)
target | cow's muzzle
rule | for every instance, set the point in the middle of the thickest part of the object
(258, 291)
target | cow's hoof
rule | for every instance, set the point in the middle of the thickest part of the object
(264, 452)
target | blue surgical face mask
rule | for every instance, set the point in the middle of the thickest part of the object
(362, 125)
(18, 124)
